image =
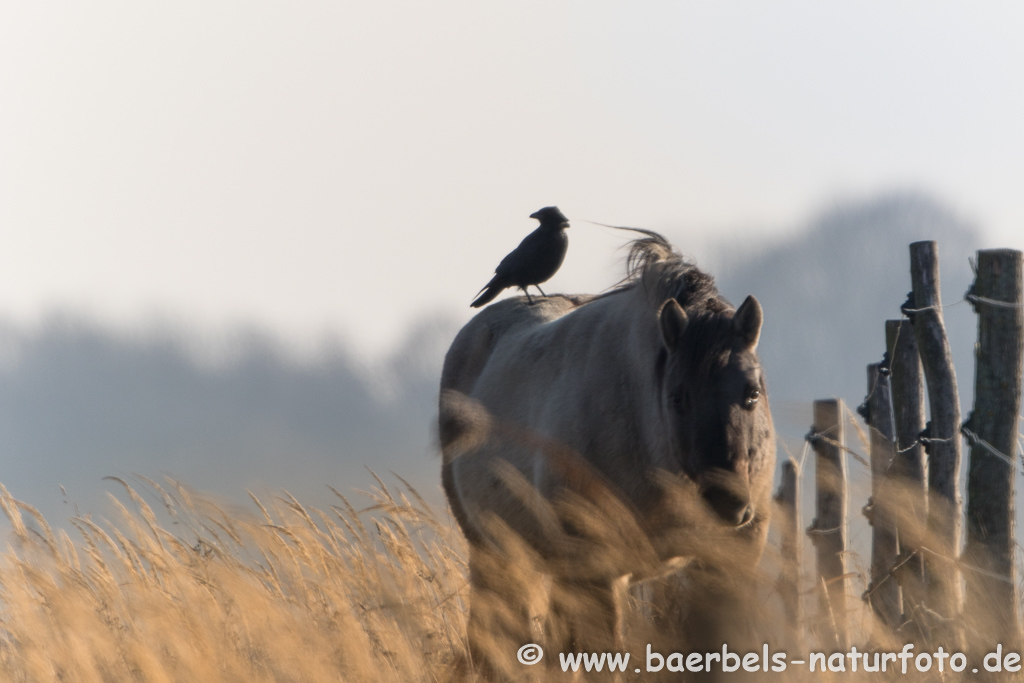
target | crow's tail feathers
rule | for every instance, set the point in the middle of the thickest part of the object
(487, 294)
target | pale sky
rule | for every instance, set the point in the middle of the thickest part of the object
(350, 167)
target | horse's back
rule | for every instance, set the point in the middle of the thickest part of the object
(497, 324)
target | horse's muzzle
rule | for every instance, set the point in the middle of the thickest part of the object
(732, 509)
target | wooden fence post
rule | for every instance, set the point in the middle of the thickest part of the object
(828, 530)
(941, 439)
(991, 600)
(883, 592)
(791, 548)
(907, 386)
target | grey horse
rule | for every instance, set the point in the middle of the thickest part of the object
(590, 442)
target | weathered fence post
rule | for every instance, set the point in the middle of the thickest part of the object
(991, 600)
(941, 437)
(907, 387)
(883, 592)
(828, 531)
(791, 547)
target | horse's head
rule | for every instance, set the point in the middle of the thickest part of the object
(713, 394)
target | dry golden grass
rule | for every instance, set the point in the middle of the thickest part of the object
(283, 593)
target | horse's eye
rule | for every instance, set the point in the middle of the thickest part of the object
(753, 393)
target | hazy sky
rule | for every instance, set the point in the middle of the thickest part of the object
(348, 167)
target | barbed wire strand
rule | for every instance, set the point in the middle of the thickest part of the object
(976, 440)
(975, 299)
(815, 436)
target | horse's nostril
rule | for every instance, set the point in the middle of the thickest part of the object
(748, 515)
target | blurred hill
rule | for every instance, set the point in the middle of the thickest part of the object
(828, 287)
(79, 401)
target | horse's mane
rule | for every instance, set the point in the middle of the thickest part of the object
(664, 273)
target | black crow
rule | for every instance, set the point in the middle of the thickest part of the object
(535, 260)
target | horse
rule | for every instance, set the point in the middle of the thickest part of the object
(594, 441)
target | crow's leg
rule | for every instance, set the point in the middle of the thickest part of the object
(528, 297)
(541, 291)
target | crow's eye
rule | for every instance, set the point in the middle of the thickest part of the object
(752, 395)
(676, 397)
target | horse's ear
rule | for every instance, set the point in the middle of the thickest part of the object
(747, 322)
(672, 319)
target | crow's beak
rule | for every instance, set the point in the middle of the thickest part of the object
(535, 214)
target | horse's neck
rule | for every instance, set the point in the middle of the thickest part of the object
(641, 338)
(631, 343)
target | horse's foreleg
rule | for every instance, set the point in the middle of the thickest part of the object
(499, 616)
(584, 618)
(720, 610)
